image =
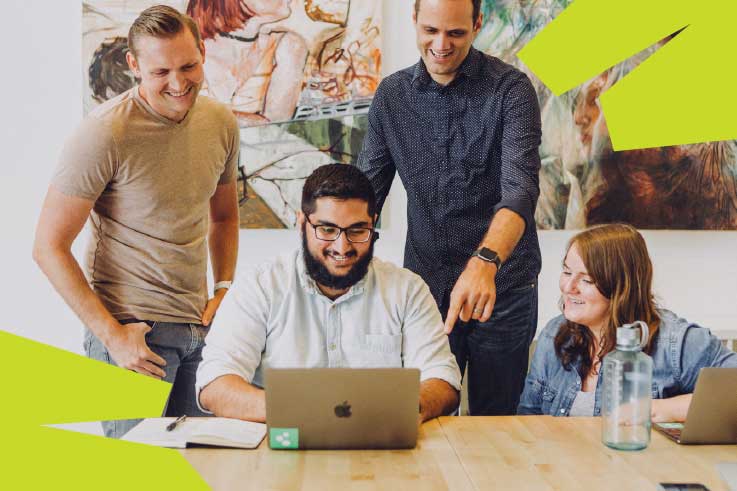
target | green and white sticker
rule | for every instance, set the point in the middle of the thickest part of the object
(283, 438)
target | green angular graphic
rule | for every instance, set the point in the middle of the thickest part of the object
(681, 95)
(46, 385)
(62, 387)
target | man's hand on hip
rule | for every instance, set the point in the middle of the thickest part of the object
(212, 306)
(473, 295)
(129, 350)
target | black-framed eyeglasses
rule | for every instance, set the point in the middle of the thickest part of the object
(355, 235)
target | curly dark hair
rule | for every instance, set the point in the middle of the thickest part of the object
(340, 181)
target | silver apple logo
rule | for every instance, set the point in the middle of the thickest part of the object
(343, 410)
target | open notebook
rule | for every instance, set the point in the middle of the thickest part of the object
(220, 432)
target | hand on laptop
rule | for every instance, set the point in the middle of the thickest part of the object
(672, 410)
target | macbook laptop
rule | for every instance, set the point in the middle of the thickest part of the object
(712, 415)
(342, 408)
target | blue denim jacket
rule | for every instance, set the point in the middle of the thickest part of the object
(680, 351)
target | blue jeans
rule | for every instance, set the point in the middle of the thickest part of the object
(181, 346)
(497, 351)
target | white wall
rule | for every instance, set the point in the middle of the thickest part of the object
(696, 272)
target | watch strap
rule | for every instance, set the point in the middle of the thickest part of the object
(486, 254)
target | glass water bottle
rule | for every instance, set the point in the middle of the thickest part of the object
(627, 390)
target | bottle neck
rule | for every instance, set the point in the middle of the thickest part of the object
(628, 348)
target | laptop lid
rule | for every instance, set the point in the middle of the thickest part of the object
(342, 408)
(712, 415)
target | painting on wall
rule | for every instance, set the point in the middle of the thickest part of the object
(582, 180)
(298, 74)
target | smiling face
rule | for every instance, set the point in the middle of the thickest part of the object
(171, 73)
(445, 30)
(336, 265)
(583, 303)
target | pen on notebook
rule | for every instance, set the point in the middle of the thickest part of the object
(174, 423)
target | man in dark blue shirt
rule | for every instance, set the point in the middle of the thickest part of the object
(462, 129)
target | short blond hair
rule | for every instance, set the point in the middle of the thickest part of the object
(161, 21)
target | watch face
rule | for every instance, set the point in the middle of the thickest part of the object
(488, 254)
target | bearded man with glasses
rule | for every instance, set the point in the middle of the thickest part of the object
(330, 304)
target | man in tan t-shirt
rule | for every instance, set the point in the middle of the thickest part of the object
(155, 171)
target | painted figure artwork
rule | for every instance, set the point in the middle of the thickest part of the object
(582, 180)
(298, 74)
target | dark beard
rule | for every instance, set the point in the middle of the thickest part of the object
(319, 272)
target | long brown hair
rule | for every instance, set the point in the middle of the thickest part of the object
(217, 16)
(616, 259)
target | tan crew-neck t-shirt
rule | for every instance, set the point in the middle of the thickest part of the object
(151, 180)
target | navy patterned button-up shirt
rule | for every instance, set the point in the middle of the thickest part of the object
(463, 151)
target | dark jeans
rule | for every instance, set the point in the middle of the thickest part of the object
(181, 346)
(497, 351)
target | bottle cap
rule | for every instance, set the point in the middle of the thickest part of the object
(628, 337)
(632, 336)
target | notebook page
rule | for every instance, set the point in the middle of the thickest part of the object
(152, 431)
(228, 432)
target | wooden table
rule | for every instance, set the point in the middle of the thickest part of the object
(472, 453)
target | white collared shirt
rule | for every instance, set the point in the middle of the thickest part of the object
(275, 316)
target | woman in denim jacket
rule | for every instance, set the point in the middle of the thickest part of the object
(606, 282)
